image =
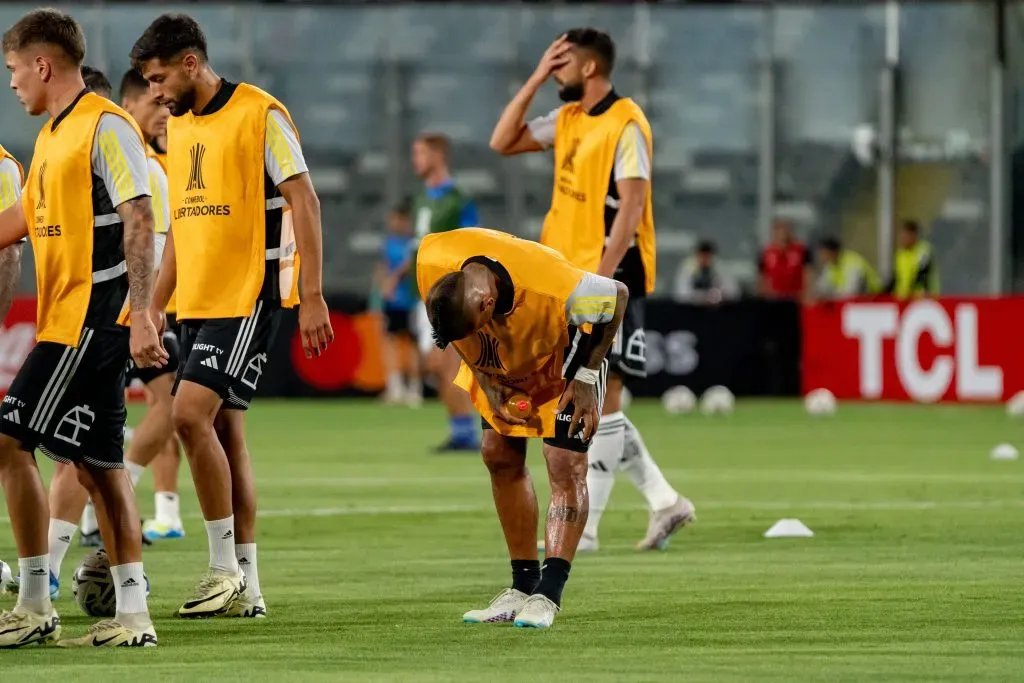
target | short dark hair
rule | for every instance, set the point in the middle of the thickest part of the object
(596, 41)
(705, 247)
(96, 81)
(831, 244)
(47, 27)
(133, 84)
(446, 309)
(911, 226)
(168, 36)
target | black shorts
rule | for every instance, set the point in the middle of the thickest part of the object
(173, 326)
(147, 375)
(228, 355)
(398, 320)
(561, 439)
(69, 401)
(628, 355)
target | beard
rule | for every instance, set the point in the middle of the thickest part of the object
(571, 92)
(183, 103)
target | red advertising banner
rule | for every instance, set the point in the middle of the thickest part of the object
(957, 350)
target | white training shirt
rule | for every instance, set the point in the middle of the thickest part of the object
(119, 158)
(632, 158)
(282, 153)
(10, 183)
(593, 301)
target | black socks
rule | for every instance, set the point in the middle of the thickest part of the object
(525, 575)
(553, 578)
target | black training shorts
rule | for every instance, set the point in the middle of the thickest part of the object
(69, 401)
(228, 355)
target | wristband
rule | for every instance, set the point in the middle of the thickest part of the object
(587, 376)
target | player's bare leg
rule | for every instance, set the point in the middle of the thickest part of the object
(230, 426)
(68, 499)
(194, 410)
(165, 467)
(113, 495)
(152, 433)
(516, 503)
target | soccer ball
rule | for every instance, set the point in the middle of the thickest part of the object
(1015, 406)
(678, 400)
(820, 402)
(717, 400)
(93, 585)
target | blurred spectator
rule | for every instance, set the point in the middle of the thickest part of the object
(441, 206)
(844, 272)
(915, 273)
(785, 265)
(398, 294)
(700, 281)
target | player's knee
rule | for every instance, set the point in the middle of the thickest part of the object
(189, 423)
(566, 469)
(502, 461)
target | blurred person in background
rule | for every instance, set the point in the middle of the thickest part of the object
(601, 219)
(915, 273)
(784, 268)
(12, 178)
(440, 207)
(397, 287)
(844, 273)
(96, 81)
(700, 281)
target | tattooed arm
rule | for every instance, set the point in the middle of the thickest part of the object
(139, 251)
(10, 275)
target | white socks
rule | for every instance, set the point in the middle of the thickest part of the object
(60, 536)
(246, 554)
(89, 523)
(604, 456)
(221, 535)
(134, 471)
(168, 508)
(645, 473)
(34, 591)
(130, 594)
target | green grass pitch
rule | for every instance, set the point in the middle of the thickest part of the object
(371, 549)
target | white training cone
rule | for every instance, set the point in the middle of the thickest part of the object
(789, 528)
(1004, 451)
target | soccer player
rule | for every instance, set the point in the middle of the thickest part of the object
(512, 310)
(12, 177)
(439, 207)
(601, 220)
(398, 291)
(87, 193)
(234, 162)
(96, 81)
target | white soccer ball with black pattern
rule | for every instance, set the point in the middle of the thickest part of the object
(717, 400)
(820, 402)
(678, 400)
(93, 585)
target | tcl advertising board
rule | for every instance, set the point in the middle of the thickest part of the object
(956, 350)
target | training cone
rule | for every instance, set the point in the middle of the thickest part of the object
(789, 528)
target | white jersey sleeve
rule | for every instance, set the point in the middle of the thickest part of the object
(10, 183)
(282, 152)
(593, 301)
(158, 191)
(119, 158)
(632, 155)
(542, 128)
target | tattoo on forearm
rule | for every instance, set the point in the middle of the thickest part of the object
(10, 274)
(137, 215)
(564, 513)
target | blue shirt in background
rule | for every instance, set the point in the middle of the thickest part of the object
(469, 217)
(397, 250)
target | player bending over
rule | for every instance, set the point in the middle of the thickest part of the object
(68, 397)
(512, 310)
(601, 219)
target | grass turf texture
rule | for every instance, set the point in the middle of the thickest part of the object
(371, 550)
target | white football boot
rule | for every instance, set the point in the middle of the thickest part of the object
(112, 633)
(666, 522)
(19, 628)
(248, 607)
(538, 612)
(215, 594)
(502, 610)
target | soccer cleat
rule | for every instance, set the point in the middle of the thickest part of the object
(111, 633)
(19, 628)
(216, 593)
(537, 612)
(247, 608)
(13, 586)
(666, 522)
(154, 530)
(454, 446)
(503, 608)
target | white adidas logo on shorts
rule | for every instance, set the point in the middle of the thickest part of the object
(211, 362)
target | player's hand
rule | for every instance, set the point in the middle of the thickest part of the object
(585, 414)
(145, 344)
(315, 326)
(159, 320)
(387, 287)
(498, 395)
(555, 57)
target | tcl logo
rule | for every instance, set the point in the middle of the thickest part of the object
(949, 332)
